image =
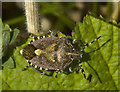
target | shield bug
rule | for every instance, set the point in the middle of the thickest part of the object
(52, 53)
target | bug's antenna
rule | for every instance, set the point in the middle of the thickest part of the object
(90, 43)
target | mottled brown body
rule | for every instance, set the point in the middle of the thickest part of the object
(54, 53)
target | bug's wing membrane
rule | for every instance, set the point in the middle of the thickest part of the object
(56, 53)
(43, 62)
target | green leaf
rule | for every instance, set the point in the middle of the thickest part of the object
(102, 63)
(8, 37)
(5, 41)
(14, 34)
(6, 27)
(9, 63)
(5, 38)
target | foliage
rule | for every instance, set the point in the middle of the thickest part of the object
(8, 38)
(100, 60)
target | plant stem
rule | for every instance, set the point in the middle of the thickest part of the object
(33, 17)
(115, 10)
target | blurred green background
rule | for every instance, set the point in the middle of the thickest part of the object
(59, 16)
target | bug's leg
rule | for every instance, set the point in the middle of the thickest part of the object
(56, 73)
(44, 72)
(89, 78)
(39, 68)
(81, 44)
(74, 41)
(70, 69)
(27, 65)
(51, 33)
(78, 67)
(61, 71)
(90, 43)
(82, 70)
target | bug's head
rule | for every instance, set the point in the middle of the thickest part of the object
(28, 51)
